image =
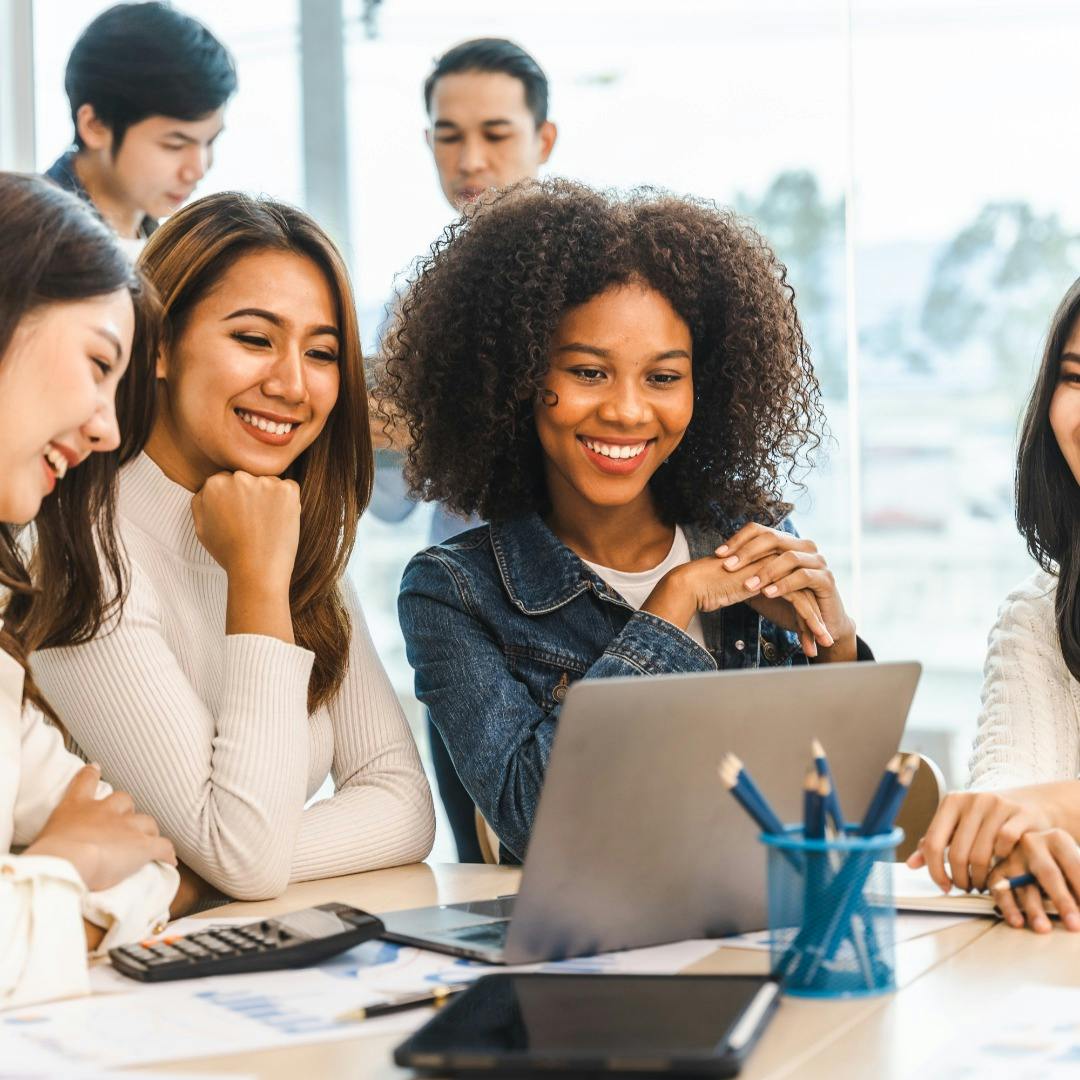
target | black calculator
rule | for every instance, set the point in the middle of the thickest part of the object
(294, 940)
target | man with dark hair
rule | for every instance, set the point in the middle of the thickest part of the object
(147, 87)
(487, 103)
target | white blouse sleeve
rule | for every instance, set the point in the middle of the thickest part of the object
(381, 812)
(43, 901)
(225, 781)
(1029, 725)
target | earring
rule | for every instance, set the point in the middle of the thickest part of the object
(548, 397)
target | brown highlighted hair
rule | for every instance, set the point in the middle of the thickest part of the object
(1047, 493)
(471, 345)
(185, 258)
(57, 251)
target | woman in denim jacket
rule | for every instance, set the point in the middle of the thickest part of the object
(620, 386)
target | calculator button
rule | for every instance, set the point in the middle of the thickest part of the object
(190, 948)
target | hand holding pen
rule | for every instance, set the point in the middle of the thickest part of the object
(1044, 861)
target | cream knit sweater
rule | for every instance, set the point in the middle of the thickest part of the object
(1029, 727)
(210, 732)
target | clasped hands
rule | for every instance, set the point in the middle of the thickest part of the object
(992, 836)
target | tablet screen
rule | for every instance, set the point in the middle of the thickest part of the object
(590, 1017)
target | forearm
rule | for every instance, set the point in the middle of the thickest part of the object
(94, 935)
(257, 605)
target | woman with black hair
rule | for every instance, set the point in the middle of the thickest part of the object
(1023, 812)
(619, 386)
(77, 329)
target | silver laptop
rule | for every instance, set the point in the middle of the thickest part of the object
(636, 842)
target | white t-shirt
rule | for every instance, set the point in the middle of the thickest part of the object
(635, 588)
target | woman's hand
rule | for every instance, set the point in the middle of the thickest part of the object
(251, 526)
(1053, 857)
(700, 585)
(977, 828)
(104, 839)
(792, 586)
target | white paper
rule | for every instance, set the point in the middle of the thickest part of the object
(1033, 1034)
(133, 1023)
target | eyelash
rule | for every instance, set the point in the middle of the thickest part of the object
(102, 365)
(257, 341)
(661, 378)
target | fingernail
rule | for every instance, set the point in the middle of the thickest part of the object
(753, 583)
(829, 643)
(1042, 924)
(721, 549)
(770, 590)
(1072, 921)
(732, 562)
(1016, 920)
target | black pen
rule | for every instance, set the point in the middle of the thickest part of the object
(434, 997)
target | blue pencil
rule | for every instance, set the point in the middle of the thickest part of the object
(821, 762)
(1017, 882)
(886, 786)
(892, 802)
(765, 816)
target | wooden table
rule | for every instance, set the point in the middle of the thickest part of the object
(942, 976)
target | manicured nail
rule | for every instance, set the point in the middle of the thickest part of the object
(721, 549)
(829, 643)
(770, 590)
(1072, 921)
(754, 582)
(732, 562)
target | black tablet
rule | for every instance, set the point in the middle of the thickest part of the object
(694, 1025)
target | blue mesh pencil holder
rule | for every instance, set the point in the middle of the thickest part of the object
(832, 920)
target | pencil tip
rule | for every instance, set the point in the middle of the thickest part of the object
(816, 748)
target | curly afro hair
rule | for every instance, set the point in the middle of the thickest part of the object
(470, 347)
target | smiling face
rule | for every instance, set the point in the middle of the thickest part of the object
(483, 134)
(1065, 404)
(160, 161)
(251, 380)
(621, 368)
(58, 383)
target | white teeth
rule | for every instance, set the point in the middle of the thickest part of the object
(265, 425)
(612, 451)
(57, 460)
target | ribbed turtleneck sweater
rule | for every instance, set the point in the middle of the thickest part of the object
(210, 732)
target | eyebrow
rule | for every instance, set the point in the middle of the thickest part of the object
(111, 338)
(594, 350)
(486, 123)
(277, 320)
(188, 139)
(1070, 358)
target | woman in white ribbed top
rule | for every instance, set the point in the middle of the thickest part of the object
(1023, 812)
(241, 671)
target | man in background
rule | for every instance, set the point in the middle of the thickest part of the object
(147, 87)
(487, 107)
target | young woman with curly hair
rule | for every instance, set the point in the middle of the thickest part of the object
(619, 386)
(241, 672)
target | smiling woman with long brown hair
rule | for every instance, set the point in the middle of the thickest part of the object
(241, 672)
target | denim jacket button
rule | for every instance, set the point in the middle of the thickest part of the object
(740, 644)
(768, 650)
(558, 692)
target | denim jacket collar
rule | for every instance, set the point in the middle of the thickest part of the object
(540, 573)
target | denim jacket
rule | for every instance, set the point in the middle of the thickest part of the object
(500, 620)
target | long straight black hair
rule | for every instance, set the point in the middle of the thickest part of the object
(57, 251)
(1047, 492)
